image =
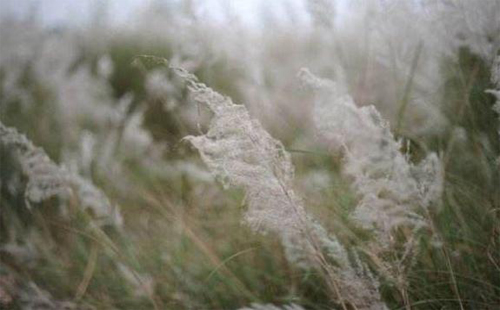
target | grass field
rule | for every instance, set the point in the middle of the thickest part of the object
(177, 163)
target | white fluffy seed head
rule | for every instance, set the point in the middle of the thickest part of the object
(393, 192)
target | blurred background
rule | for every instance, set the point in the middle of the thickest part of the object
(150, 227)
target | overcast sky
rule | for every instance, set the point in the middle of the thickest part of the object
(61, 12)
